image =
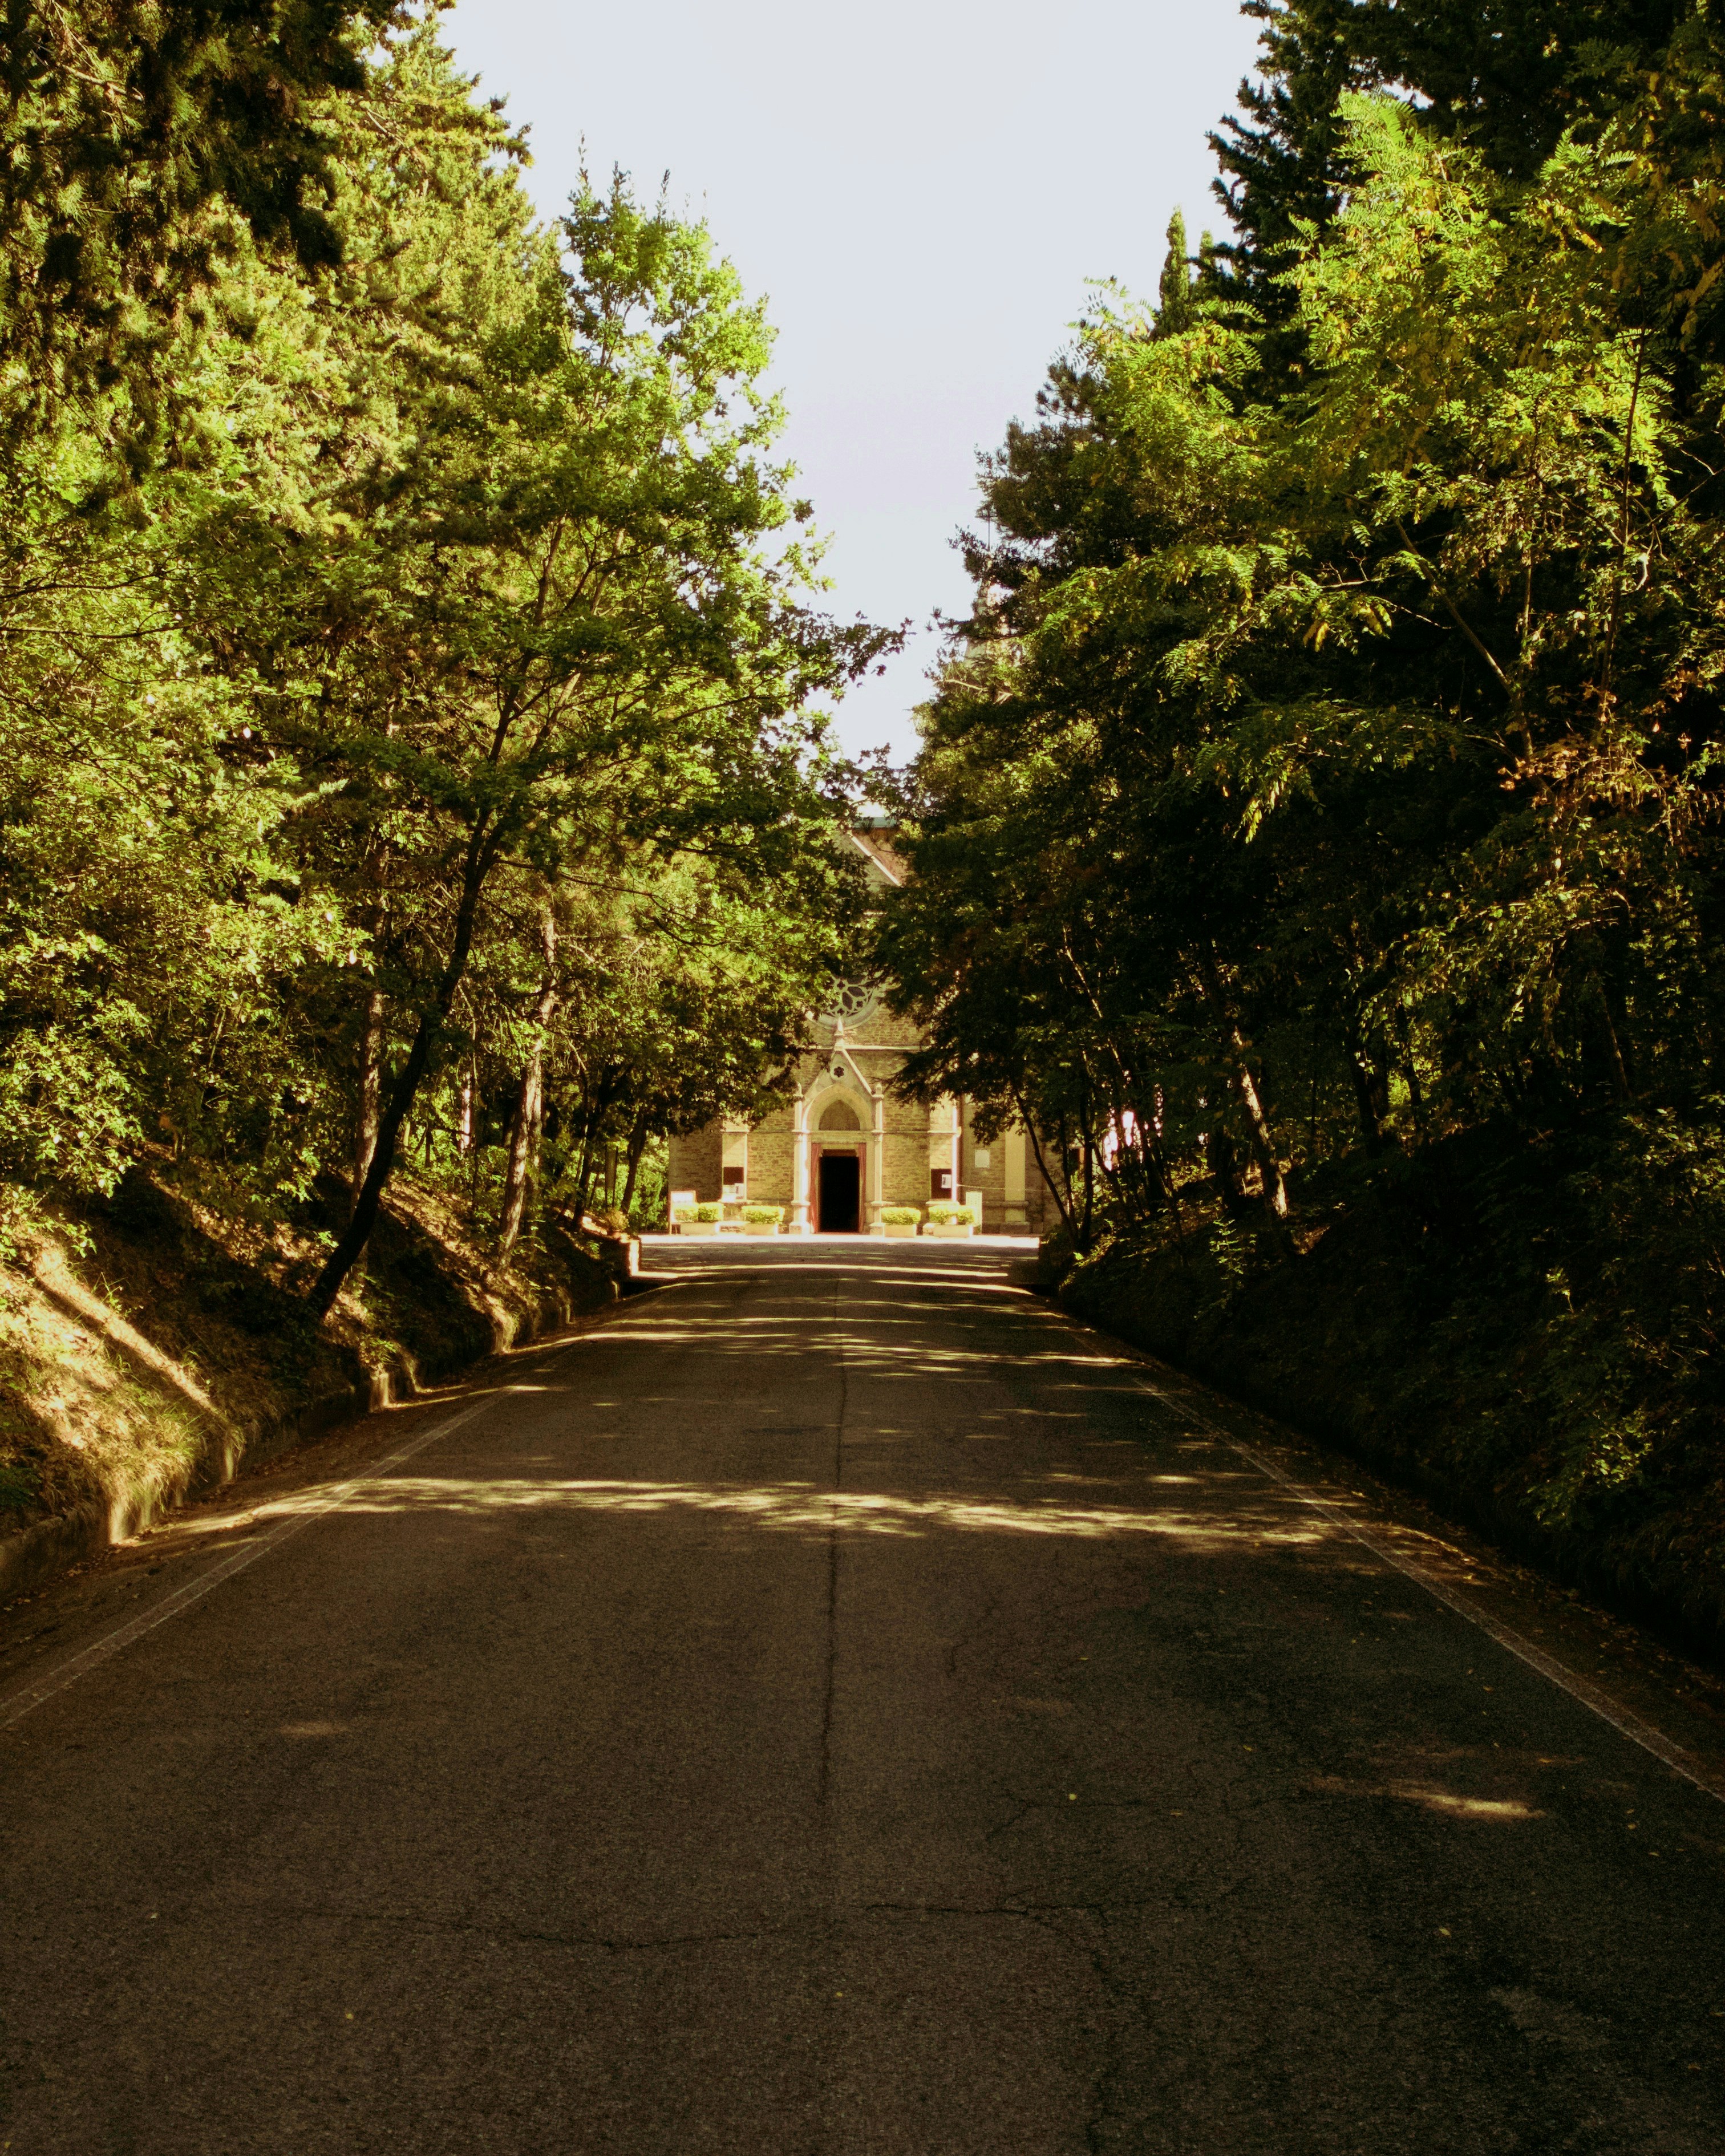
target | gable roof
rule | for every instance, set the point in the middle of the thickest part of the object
(875, 848)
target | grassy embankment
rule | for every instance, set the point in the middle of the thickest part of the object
(149, 1347)
(1521, 1332)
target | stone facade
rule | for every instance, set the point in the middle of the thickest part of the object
(843, 1112)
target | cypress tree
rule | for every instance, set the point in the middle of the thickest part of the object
(1174, 310)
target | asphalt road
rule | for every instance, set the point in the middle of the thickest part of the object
(830, 1707)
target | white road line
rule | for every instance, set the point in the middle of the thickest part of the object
(1669, 1754)
(17, 1705)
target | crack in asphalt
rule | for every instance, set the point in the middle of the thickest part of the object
(832, 1655)
(814, 1930)
(527, 1935)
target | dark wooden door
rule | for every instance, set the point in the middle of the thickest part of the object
(840, 1195)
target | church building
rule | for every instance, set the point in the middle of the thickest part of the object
(842, 1148)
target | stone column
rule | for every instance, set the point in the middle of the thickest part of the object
(1016, 1216)
(877, 1162)
(733, 1153)
(797, 1225)
(937, 1130)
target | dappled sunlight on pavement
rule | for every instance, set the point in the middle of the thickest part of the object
(804, 1507)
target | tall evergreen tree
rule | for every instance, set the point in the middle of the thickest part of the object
(1282, 165)
(122, 124)
(1174, 310)
(1507, 77)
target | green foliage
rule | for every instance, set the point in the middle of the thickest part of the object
(410, 734)
(1508, 80)
(944, 1215)
(1327, 773)
(763, 1216)
(1175, 310)
(899, 1216)
(132, 133)
(1525, 1327)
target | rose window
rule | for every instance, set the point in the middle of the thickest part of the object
(853, 1002)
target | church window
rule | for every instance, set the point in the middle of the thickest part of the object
(852, 1002)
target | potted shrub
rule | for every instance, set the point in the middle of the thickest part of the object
(698, 1220)
(900, 1219)
(949, 1220)
(761, 1219)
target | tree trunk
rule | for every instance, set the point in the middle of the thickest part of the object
(1276, 1190)
(1171, 1198)
(370, 1036)
(1088, 1230)
(1381, 1073)
(371, 1080)
(1245, 1084)
(637, 1147)
(1224, 1172)
(1371, 1129)
(527, 1123)
(1619, 1068)
(1065, 1207)
(1405, 1036)
(517, 1171)
(358, 1234)
(596, 1108)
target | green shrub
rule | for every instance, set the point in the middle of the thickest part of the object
(763, 1216)
(19, 1482)
(899, 1216)
(702, 1213)
(943, 1216)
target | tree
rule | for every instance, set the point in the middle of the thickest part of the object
(1507, 79)
(602, 662)
(1318, 748)
(464, 608)
(1174, 311)
(133, 134)
(1318, 807)
(1281, 167)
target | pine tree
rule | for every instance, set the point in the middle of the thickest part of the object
(1282, 164)
(1508, 77)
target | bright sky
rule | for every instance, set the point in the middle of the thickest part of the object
(922, 192)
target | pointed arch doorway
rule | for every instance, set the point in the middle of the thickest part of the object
(839, 1151)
